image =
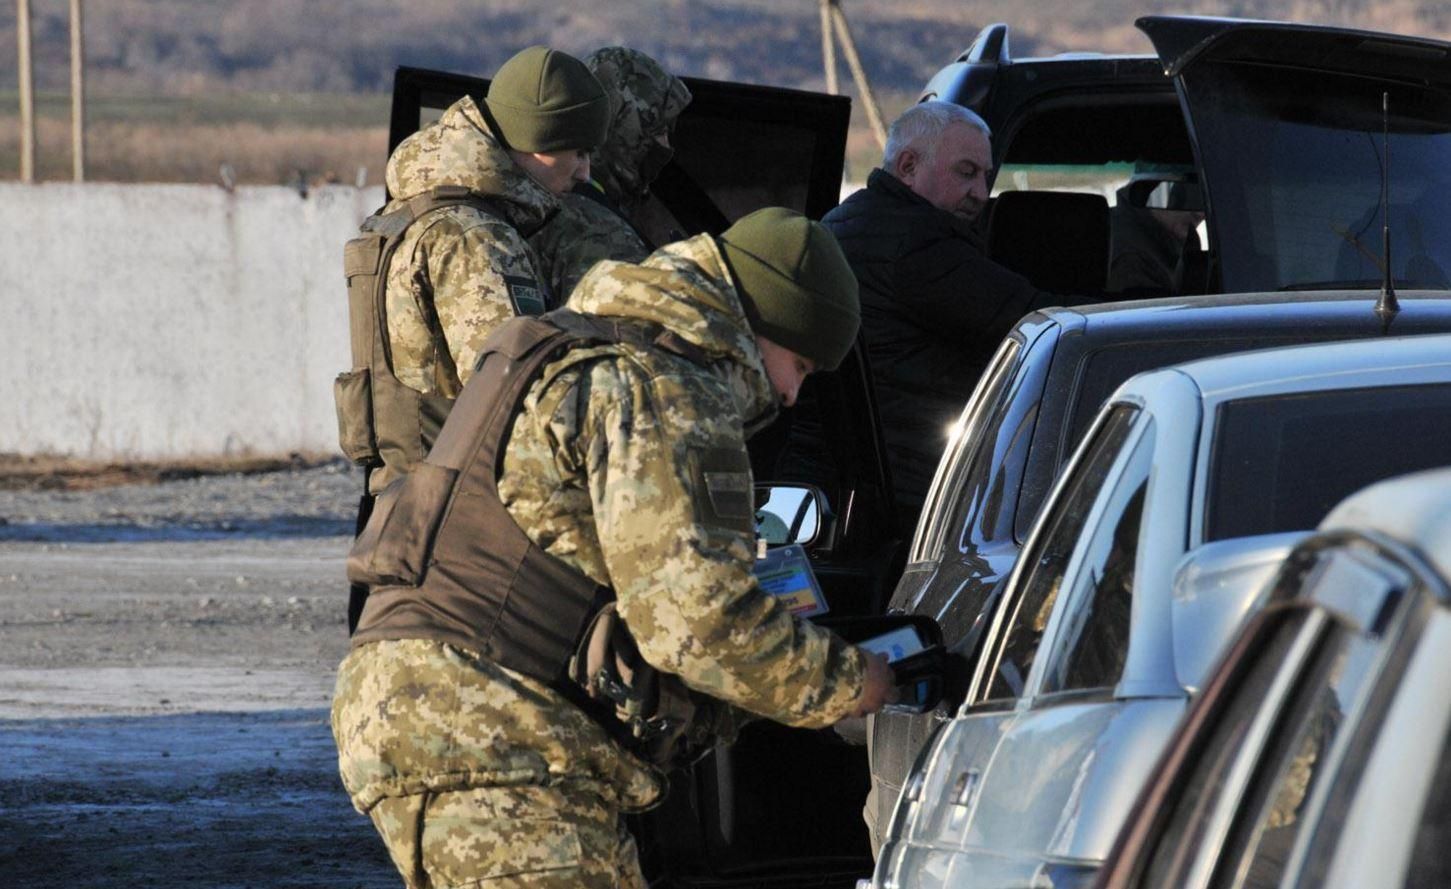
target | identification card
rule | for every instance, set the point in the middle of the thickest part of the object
(786, 573)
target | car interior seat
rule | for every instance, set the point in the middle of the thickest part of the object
(1154, 248)
(1056, 239)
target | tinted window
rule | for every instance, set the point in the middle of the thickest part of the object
(1091, 647)
(948, 494)
(1292, 163)
(1051, 556)
(1281, 463)
(1104, 370)
(1430, 864)
(1297, 759)
(1189, 829)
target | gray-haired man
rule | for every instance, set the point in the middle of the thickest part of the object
(934, 307)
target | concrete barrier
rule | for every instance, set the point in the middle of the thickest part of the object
(169, 321)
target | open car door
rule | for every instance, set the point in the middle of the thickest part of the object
(781, 807)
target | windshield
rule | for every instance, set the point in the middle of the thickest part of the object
(1292, 166)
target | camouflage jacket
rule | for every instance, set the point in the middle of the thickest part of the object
(584, 231)
(477, 266)
(644, 100)
(624, 463)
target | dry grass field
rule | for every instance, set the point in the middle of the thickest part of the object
(265, 138)
(284, 91)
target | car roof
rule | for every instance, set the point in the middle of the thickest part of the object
(1272, 311)
(1414, 509)
(1317, 366)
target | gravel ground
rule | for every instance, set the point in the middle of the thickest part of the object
(166, 657)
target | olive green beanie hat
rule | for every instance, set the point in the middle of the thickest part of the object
(798, 288)
(546, 100)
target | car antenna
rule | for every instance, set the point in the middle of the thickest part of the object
(1387, 307)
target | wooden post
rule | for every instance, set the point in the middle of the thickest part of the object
(828, 47)
(27, 93)
(78, 95)
(859, 74)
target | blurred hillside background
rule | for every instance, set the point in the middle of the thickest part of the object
(282, 90)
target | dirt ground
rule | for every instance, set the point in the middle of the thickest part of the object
(167, 651)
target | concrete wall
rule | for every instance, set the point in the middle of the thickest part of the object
(157, 321)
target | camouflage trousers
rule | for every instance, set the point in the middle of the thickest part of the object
(524, 837)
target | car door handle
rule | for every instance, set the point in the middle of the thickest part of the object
(964, 789)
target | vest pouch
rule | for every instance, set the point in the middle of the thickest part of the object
(396, 544)
(353, 396)
(655, 709)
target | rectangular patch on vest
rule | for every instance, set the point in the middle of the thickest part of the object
(723, 494)
(526, 295)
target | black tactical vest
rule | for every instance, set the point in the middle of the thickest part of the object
(380, 420)
(444, 560)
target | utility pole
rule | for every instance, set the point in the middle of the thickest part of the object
(831, 11)
(828, 47)
(78, 95)
(27, 93)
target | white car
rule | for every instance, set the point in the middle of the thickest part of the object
(1192, 484)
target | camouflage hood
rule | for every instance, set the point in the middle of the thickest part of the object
(687, 288)
(460, 150)
(644, 101)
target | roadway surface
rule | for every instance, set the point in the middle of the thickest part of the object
(166, 660)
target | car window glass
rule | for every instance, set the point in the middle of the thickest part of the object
(1049, 558)
(1092, 644)
(1104, 179)
(1293, 161)
(1188, 827)
(947, 495)
(1297, 759)
(1104, 370)
(1271, 469)
(1430, 864)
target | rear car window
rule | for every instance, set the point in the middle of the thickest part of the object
(1104, 370)
(1293, 162)
(1280, 463)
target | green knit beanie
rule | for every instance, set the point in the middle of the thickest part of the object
(799, 290)
(545, 100)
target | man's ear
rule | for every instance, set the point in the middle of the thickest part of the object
(905, 167)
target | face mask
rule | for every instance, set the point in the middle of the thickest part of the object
(655, 159)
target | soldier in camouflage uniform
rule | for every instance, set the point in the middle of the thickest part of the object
(594, 222)
(619, 460)
(462, 271)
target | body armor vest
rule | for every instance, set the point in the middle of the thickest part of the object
(444, 560)
(381, 421)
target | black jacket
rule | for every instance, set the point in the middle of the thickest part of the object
(934, 309)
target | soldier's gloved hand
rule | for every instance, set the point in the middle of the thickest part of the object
(879, 688)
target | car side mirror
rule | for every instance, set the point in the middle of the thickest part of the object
(1215, 586)
(913, 646)
(790, 514)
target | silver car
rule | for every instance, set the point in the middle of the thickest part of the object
(1317, 754)
(1133, 577)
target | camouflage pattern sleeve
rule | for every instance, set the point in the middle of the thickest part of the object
(482, 278)
(481, 273)
(670, 485)
(582, 233)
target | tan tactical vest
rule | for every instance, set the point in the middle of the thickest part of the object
(382, 422)
(444, 560)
